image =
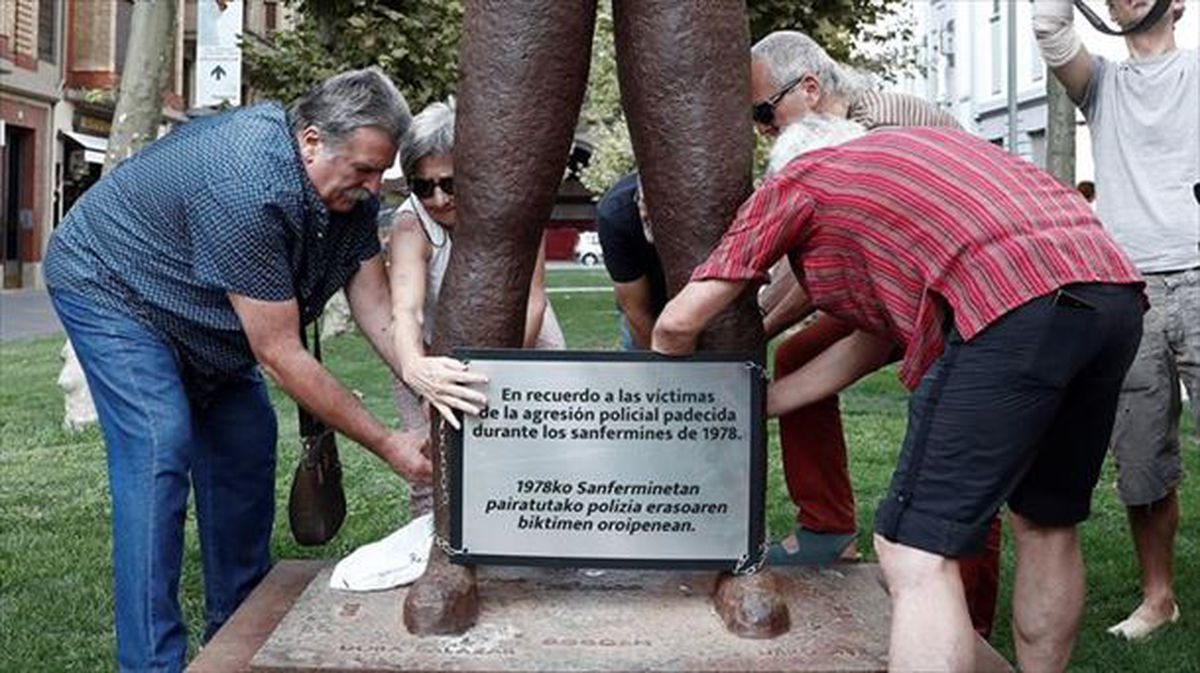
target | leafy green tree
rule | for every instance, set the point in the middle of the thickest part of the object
(837, 25)
(863, 33)
(416, 42)
(413, 41)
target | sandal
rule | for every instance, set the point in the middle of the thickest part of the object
(1136, 627)
(809, 548)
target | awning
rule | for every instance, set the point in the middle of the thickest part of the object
(94, 147)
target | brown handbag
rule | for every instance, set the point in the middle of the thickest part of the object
(316, 503)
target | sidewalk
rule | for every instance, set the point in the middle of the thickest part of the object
(26, 314)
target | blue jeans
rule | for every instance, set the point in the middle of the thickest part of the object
(159, 444)
(627, 335)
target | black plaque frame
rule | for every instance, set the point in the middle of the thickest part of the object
(755, 547)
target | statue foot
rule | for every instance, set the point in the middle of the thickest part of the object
(444, 601)
(751, 605)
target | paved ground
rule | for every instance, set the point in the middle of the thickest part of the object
(26, 314)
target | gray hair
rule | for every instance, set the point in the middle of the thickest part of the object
(813, 132)
(341, 104)
(432, 134)
(788, 54)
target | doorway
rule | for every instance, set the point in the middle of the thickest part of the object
(16, 195)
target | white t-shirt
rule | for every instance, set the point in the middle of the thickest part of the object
(1144, 118)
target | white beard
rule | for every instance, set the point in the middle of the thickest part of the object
(814, 132)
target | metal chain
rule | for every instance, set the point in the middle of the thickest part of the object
(444, 482)
(746, 567)
(755, 367)
(447, 549)
(443, 478)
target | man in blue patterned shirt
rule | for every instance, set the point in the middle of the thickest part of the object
(180, 272)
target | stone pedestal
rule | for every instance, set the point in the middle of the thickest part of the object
(231, 649)
(561, 620)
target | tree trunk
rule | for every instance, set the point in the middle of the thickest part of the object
(135, 123)
(143, 80)
(1060, 132)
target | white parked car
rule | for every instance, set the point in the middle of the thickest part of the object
(587, 249)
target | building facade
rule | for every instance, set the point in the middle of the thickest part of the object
(60, 70)
(32, 59)
(965, 59)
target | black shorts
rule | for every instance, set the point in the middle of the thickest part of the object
(1020, 413)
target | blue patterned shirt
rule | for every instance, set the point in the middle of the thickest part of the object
(219, 205)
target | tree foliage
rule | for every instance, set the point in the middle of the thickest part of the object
(852, 31)
(837, 25)
(414, 41)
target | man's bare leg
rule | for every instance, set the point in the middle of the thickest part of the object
(1153, 527)
(931, 630)
(687, 101)
(523, 71)
(1048, 594)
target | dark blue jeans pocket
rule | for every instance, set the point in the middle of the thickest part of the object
(1067, 325)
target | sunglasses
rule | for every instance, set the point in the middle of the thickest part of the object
(764, 112)
(423, 187)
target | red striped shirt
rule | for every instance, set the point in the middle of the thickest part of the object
(883, 229)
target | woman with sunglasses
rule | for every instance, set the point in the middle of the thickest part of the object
(419, 252)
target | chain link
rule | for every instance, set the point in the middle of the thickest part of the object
(755, 367)
(447, 549)
(444, 469)
(747, 567)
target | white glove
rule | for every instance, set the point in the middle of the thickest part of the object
(1053, 24)
(1059, 9)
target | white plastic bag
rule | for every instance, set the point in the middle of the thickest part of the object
(394, 561)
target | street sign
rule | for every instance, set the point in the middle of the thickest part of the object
(611, 460)
(218, 56)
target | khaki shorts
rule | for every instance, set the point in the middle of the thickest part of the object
(1146, 439)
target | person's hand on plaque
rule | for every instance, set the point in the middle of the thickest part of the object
(445, 383)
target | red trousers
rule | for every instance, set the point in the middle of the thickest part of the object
(818, 477)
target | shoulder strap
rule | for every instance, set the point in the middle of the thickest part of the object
(427, 221)
(1156, 12)
(310, 425)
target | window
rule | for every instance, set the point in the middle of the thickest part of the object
(48, 31)
(271, 18)
(998, 59)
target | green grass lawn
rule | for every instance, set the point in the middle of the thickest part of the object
(55, 572)
(578, 276)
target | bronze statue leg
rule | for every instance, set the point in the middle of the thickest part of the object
(523, 72)
(684, 69)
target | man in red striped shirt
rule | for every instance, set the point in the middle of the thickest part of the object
(1017, 316)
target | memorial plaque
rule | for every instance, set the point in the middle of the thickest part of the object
(611, 460)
